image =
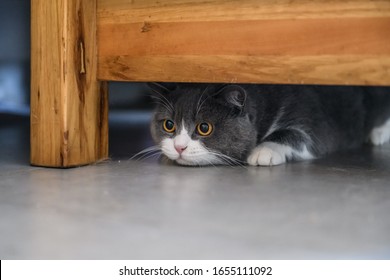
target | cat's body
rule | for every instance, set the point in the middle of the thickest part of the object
(265, 125)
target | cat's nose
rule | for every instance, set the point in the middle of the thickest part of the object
(180, 148)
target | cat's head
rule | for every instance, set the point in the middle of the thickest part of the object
(203, 124)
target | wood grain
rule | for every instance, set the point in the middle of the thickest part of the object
(320, 42)
(364, 36)
(325, 69)
(68, 104)
(133, 11)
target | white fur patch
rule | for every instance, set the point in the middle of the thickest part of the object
(183, 139)
(195, 154)
(381, 134)
(269, 153)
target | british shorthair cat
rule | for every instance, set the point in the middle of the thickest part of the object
(215, 124)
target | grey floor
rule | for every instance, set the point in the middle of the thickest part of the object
(333, 208)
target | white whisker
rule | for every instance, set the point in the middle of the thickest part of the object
(147, 151)
(199, 106)
(164, 99)
(163, 103)
(150, 156)
(229, 160)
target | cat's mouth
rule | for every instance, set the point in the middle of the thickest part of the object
(183, 159)
(180, 159)
(194, 155)
(186, 160)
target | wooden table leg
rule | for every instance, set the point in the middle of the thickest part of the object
(69, 106)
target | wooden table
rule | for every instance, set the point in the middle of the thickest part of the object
(78, 45)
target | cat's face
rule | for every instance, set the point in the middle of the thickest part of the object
(195, 125)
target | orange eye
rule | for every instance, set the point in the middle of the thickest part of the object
(204, 129)
(169, 126)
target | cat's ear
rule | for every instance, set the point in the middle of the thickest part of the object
(162, 88)
(233, 95)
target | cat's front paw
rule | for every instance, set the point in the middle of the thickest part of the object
(267, 154)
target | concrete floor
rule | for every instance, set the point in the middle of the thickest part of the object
(333, 208)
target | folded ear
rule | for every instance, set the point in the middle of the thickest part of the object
(162, 88)
(233, 95)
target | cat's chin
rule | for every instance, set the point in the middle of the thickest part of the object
(182, 161)
(179, 161)
(197, 161)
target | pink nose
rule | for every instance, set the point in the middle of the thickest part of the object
(180, 148)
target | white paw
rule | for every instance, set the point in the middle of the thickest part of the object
(380, 135)
(377, 137)
(268, 154)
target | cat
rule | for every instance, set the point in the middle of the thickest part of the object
(264, 125)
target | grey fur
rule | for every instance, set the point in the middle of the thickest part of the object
(322, 119)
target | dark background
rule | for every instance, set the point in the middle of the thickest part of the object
(130, 104)
(14, 55)
(15, 65)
